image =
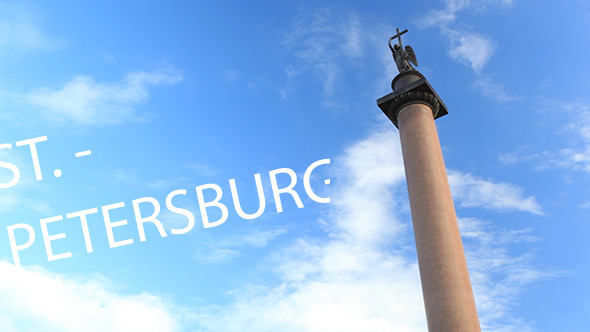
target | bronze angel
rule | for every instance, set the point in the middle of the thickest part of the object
(403, 57)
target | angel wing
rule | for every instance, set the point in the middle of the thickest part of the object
(411, 55)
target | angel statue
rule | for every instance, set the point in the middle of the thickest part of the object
(402, 56)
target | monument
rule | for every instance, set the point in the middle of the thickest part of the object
(412, 107)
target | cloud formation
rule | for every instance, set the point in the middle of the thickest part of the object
(575, 150)
(577, 156)
(37, 300)
(350, 282)
(319, 46)
(20, 31)
(225, 250)
(470, 48)
(499, 276)
(84, 101)
(494, 90)
(364, 277)
(471, 191)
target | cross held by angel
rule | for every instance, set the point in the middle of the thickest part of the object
(403, 56)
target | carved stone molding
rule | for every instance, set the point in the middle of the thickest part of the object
(412, 97)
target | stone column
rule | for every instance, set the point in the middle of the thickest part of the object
(448, 297)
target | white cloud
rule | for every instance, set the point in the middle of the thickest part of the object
(353, 38)
(27, 193)
(498, 277)
(487, 235)
(360, 278)
(169, 183)
(230, 75)
(577, 156)
(471, 191)
(259, 238)
(457, 5)
(349, 282)
(19, 30)
(362, 301)
(436, 18)
(215, 256)
(454, 6)
(320, 45)
(37, 300)
(470, 48)
(203, 169)
(85, 101)
(224, 250)
(171, 220)
(370, 167)
(575, 151)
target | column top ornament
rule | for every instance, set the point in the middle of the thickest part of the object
(404, 57)
(409, 86)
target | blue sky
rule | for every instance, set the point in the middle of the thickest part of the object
(171, 96)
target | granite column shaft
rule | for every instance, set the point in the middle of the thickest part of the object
(446, 287)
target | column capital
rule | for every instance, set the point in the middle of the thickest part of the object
(408, 88)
